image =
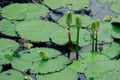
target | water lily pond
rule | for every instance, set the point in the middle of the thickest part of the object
(59, 40)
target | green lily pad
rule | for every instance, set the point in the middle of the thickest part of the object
(47, 66)
(7, 28)
(87, 59)
(86, 20)
(73, 4)
(112, 49)
(36, 30)
(114, 75)
(116, 31)
(11, 75)
(104, 33)
(116, 19)
(66, 74)
(24, 11)
(7, 49)
(99, 69)
(60, 36)
(28, 57)
(115, 6)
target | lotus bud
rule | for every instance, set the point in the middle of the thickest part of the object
(44, 55)
(97, 26)
(78, 22)
(69, 18)
(93, 26)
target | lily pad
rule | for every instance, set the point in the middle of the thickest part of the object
(28, 57)
(36, 30)
(0, 68)
(86, 20)
(7, 49)
(48, 66)
(7, 28)
(97, 70)
(114, 75)
(65, 74)
(116, 31)
(11, 75)
(24, 11)
(87, 59)
(60, 36)
(112, 49)
(73, 4)
(104, 33)
(114, 6)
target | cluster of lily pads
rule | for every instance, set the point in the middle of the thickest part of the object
(25, 21)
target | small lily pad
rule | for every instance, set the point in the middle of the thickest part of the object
(72, 4)
(7, 28)
(86, 20)
(65, 74)
(11, 75)
(87, 59)
(112, 49)
(36, 30)
(97, 70)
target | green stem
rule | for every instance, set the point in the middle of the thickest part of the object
(96, 42)
(93, 42)
(77, 45)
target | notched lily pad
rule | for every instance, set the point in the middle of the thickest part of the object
(114, 6)
(36, 30)
(65, 74)
(11, 75)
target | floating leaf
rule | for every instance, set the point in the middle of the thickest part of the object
(87, 59)
(72, 4)
(0, 68)
(112, 50)
(11, 75)
(116, 31)
(99, 69)
(7, 48)
(115, 6)
(104, 33)
(114, 75)
(36, 30)
(28, 57)
(86, 20)
(7, 28)
(24, 11)
(65, 74)
(60, 36)
(52, 65)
